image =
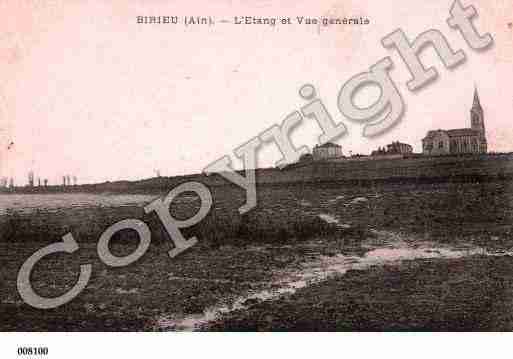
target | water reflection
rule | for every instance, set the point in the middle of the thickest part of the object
(28, 203)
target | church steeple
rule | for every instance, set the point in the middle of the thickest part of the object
(477, 121)
(476, 104)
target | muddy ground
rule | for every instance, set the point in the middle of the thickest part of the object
(465, 294)
(266, 251)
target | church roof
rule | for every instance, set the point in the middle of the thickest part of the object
(462, 132)
(457, 132)
(306, 156)
(432, 134)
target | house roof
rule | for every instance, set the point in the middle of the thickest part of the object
(397, 143)
(328, 145)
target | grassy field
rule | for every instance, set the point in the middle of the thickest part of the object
(239, 254)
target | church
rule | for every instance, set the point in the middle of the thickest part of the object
(459, 141)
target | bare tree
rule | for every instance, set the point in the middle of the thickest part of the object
(31, 178)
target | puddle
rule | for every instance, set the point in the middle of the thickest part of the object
(357, 200)
(336, 199)
(393, 249)
(127, 291)
(328, 218)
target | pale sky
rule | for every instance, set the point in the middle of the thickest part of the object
(87, 91)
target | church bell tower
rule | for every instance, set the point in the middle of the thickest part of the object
(477, 121)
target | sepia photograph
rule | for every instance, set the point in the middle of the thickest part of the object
(229, 167)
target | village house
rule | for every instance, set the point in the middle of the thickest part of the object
(327, 151)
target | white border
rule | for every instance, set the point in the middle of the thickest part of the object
(259, 345)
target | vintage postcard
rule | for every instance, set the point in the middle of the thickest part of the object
(254, 166)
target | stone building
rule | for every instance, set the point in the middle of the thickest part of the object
(457, 141)
(327, 151)
(399, 148)
(394, 148)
